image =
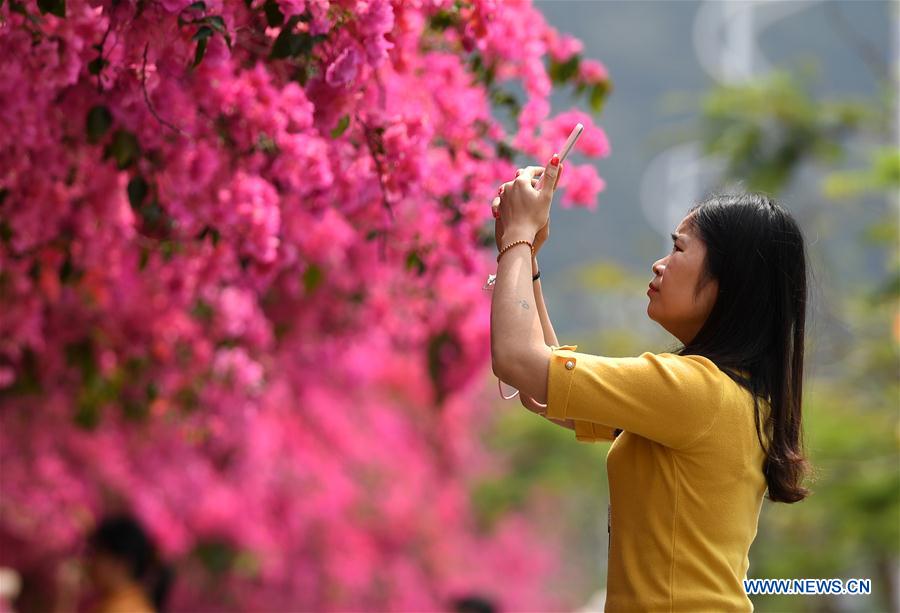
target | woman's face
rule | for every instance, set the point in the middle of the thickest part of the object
(674, 305)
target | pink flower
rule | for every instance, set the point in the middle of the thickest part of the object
(289, 8)
(593, 141)
(7, 376)
(592, 71)
(236, 365)
(376, 20)
(344, 68)
(581, 185)
(563, 47)
(175, 6)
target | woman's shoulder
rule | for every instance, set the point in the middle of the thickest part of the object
(686, 368)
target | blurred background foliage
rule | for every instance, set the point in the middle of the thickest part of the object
(767, 133)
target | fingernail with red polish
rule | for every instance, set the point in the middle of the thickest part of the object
(555, 160)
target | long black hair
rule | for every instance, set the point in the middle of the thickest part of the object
(756, 252)
(123, 537)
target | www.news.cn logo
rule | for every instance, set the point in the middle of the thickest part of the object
(808, 586)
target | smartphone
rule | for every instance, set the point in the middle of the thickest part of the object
(564, 153)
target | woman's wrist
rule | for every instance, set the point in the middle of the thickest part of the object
(510, 235)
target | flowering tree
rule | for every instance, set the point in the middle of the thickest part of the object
(241, 253)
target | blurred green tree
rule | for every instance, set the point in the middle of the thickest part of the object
(764, 131)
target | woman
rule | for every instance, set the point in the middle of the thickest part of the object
(123, 568)
(705, 431)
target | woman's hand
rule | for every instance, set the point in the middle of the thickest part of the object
(524, 209)
(544, 232)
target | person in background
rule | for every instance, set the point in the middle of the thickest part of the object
(121, 568)
(10, 586)
(473, 603)
(124, 567)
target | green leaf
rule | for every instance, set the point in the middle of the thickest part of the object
(442, 20)
(562, 72)
(202, 310)
(197, 6)
(210, 231)
(341, 126)
(123, 147)
(202, 33)
(201, 49)
(138, 188)
(289, 44)
(507, 99)
(274, 16)
(505, 151)
(168, 248)
(54, 7)
(887, 167)
(265, 143)
(302, 74)
(87, 415)
(281, 48)
(414, 261)
(217, 23)
(96, 65)
(152, 214)
(27, 378)
(598, 96)
(99, 120)
(483, 74)
(284, 46)
(312, 278)
(5, 232)
(216, 555)
(68, 272)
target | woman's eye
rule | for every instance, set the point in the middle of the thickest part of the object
(674, 248)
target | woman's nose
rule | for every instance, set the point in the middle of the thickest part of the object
(657, 268)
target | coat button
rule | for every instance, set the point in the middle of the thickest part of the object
(570, 364)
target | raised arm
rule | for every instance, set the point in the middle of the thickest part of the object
(549, 339)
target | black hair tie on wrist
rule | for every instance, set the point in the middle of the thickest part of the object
(535, 277)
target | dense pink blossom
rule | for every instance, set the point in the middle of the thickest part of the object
(593, 141)
(592, 71)
(581, 185)
(243, 298)
(564, 46)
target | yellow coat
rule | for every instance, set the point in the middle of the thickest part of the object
(686, 480)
